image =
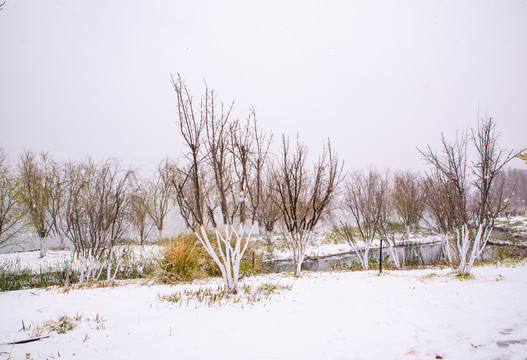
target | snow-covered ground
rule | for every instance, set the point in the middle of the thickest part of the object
(514, 223)
(57, 259)
(418, 314)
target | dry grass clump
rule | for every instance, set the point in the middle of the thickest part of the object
(184, 259)
(180, 259)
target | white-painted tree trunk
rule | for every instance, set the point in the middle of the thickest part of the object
(42, 246)
(468, 250)
(363, 255)
(395, 256)
(269, 237)
(227, 257)
(298, 243)
(480, 242)
(61, 241)
(366, 257)
(446, 246)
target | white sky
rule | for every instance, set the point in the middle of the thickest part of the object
(379, 78)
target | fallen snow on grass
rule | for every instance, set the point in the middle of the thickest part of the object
(32, 260)
(514, 223)
(58, 259)
(419, 314)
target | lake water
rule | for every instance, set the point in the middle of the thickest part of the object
(413, 254)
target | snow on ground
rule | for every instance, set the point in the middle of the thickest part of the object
(418, 314)
(33, 261)
(57, 259)
(514, 223)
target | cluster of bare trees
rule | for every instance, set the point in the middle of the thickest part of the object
(229, 180)
(92, 204)
(464, 196)
(459, 198)
(514, 187)
(11, 210)
(372, 203)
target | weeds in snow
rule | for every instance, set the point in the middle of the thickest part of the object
(220, 296)
(465, 276)
(429, 276)
(344, 266)
(64, 324)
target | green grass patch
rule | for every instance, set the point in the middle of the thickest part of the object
(465, 276)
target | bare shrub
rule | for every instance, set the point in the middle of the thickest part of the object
(365, 196)
(96, 210)
(159, 194)
(11, 210)
(464, 198)
(303, 194)
(40, 193)
(139, 210)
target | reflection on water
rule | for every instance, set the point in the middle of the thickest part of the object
(412, 254)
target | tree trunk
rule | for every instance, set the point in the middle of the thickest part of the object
(380, 258)
(298, 268)
(366, 261)
(269, 237)
(42, 246)
(62, 242)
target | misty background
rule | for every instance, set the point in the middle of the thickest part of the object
(379, 78)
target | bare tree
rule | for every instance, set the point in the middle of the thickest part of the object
(303, 195)
(365, 199)
(37, 181)
(408, 199)
(450, 174)
(98, 197)
(268, 211)
(11, 211)
(188, 183)
(401, 201)
(489, 163)
(57, 202)
(260, 165)
(514, 188)
(140, 208)
(214, 180)
(466, 227)
(251, 149)
(160, 192)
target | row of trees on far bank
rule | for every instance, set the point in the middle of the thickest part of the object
(229, 181)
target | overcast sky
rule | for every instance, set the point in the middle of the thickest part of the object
(379, 78)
